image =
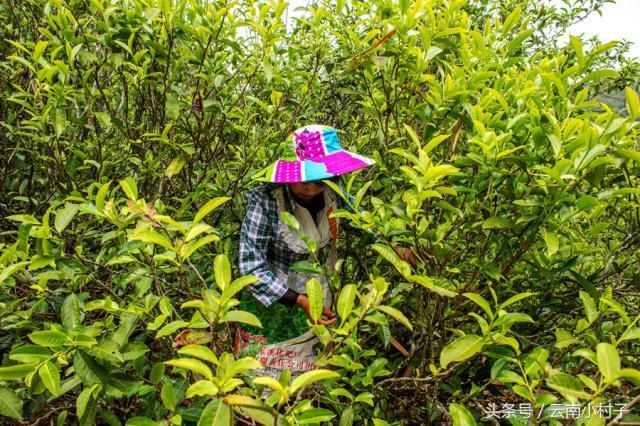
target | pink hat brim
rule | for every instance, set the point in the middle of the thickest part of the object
(325, 167)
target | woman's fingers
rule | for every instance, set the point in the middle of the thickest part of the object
(303, 302)
(327, 321)
(331, 318)
(327, 313)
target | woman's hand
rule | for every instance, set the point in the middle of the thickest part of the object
(303, 302)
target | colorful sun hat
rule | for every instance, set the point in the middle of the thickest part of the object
(312, 153)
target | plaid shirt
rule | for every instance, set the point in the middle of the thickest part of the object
(263, 251)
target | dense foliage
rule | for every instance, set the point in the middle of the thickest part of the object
(131, 128)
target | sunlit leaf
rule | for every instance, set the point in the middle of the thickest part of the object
(209, 207)
(461, 349)
(10, 404)
(461, 416)
(305, 379)
(314, 293)
(192, 365)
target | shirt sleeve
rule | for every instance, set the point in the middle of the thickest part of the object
(289, 299)
(255, 235)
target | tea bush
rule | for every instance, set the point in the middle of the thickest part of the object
(131, 129)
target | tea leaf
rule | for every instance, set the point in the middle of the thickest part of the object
(346, 301)
(395, 314)
(192, 365)
(461, 349)
(130, 188)
(10, 404)
(50, 375)
(461, 416)
(314, 292)
(222, 271)
(305, 379)
(209, 207)
(608, 360)
(216, 413)
(64, 216)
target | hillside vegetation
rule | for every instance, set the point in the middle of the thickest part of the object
(131, 130)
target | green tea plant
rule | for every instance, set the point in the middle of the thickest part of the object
(498, 165)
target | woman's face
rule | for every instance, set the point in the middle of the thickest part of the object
(307, 190)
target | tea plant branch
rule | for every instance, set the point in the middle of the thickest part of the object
(481, 408)
(357, 57)
(98, 281)
(421, 380)
(125, 100)
(375, 107)
(201, 65)
(195, 270)
(148, 261)
(629, 406)
(634, 196)
(312, 80)
(523, 247)
(455, 137)
(46, 416)
(185, 282)
(627, 243)
(166, 79)
(107, 103)
(295, 403)
(335, 347)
